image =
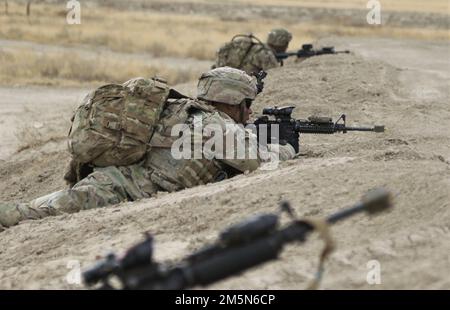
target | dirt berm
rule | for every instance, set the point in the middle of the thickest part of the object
(403, 86)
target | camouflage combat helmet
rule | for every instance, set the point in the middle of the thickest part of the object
(226, 85)
(279, 37)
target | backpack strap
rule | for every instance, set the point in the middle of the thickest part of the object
(252, 43)
(177, 111)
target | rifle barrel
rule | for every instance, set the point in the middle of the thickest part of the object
(340, 215)
(377, 128)
(373, 202)
(285, 55)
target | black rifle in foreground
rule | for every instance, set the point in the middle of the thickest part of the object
(308, 51)
(250, 243)
(289, 129)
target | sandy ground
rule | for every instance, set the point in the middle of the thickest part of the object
(403, 85)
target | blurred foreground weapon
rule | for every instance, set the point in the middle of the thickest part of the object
(242, 246)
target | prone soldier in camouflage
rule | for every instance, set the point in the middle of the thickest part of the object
(248, 53)
(224, 98)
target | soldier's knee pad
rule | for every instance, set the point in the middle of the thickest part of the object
(67, 201)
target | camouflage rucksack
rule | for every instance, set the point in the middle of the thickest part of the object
(233, 53)
(115, 122)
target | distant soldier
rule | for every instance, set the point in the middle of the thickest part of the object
(278, 40)
(224, 99)
(248, 53)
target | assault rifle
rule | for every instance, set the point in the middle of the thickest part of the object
(307, 51)
(242, 246)
(290, 129)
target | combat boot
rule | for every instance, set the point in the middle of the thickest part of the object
(13, 213)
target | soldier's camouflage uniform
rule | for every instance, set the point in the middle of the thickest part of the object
(159, 171)
(245, 54)
(260, 57)
(248, 53)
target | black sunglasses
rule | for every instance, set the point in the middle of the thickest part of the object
(248, 103)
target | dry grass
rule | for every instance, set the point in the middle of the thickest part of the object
(156, 34)
(436, 6)
(181, 36)
(69, 69)
(169, 34)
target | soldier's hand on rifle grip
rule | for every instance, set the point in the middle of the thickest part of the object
(292, 139)
(294, 144)
(260, 80)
